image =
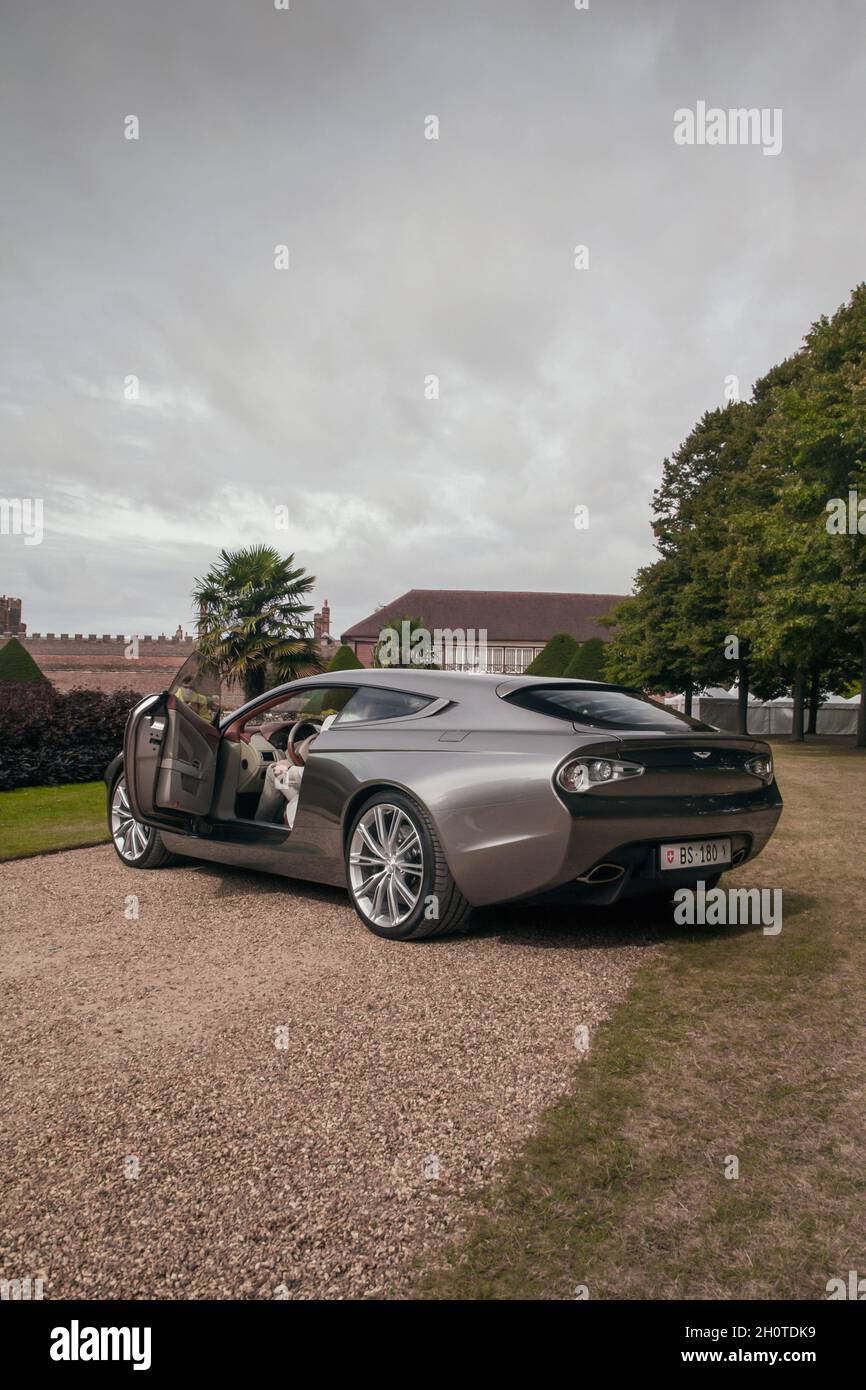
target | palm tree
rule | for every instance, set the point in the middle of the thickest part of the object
(253, 618)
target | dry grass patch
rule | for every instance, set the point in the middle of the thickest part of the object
(731, 1043)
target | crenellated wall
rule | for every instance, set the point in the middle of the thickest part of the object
(98, 661)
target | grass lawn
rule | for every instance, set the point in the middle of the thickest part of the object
(731, 1043)
(35, 819)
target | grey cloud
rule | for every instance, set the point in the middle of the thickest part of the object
(409, 257)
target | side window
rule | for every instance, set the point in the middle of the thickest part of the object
(371, 703)
(197, 687)
(317, 702)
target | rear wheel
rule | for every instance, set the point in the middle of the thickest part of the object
(138, 845)
(400, 884)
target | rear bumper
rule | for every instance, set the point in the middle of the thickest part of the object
(632, 838)
(519, 850)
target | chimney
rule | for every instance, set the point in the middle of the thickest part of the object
(322, 622)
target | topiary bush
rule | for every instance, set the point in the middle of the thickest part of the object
(48, 737)
(554, 658)
(344, 659)
(588, 661)
(17, 665)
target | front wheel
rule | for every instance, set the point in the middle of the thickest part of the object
(140, 846)
(399, 881)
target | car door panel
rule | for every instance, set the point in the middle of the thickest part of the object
(187, 766)
(142, 749)
(170, 749)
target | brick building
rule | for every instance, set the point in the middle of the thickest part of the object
(517, 624)
(10, 617)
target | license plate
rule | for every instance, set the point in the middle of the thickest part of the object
(695, 854)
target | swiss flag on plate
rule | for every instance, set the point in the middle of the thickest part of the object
(670, 856)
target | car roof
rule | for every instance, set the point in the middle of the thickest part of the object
(473, 693)
(442, 683)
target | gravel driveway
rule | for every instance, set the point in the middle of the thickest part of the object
(243, 1094)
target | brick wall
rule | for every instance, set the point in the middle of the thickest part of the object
(97, 662)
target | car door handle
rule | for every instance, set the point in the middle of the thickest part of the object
(184, 766)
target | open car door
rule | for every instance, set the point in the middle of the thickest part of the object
(170, 748)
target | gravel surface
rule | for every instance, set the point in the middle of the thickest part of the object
(161, 1137)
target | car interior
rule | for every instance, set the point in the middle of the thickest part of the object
(278, 735)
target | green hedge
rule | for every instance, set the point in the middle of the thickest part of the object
(344, 659)
(588, 661)
(553, 660)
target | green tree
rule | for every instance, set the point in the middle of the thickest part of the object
(707, 488)
(756, 590)
(809, 613)
(253, 624)
(344, 659)
(649, 646)
(554, 657)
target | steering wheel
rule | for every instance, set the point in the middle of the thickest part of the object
(304, 728)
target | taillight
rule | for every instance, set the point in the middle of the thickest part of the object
(582, 774)
(762, 767)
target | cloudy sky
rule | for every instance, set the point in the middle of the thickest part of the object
(263, 388)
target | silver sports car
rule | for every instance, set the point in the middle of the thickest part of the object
(428, 793)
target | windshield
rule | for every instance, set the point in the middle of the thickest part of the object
(605, 707)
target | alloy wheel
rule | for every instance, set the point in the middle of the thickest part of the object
(131, 838)
(386, 865)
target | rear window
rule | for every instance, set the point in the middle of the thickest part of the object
(604, 708)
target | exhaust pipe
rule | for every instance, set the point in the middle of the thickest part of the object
(602, 873)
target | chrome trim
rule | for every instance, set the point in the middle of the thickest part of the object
(602, 873)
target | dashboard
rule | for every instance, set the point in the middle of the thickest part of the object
(268, 745)
(256, 754)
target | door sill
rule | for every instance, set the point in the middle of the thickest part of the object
(244, 832)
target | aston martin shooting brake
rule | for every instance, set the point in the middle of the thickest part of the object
(428, 793)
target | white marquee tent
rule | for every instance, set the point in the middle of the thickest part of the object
(718, 706)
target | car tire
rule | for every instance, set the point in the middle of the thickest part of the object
(145, 849)
(426, 872)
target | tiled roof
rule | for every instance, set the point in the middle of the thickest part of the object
(507, 616)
